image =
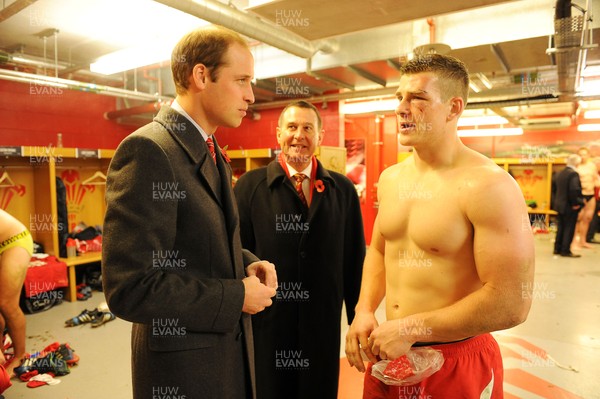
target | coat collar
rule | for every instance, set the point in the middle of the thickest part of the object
(184, 133)
(276, 174)
(194, 145)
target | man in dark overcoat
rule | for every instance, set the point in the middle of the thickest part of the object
(311, 227)
(567, 201)
(172, 257)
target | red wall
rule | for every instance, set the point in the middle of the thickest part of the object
(32, 115)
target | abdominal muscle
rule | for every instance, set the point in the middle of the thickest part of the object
(428, 284)
(429, 262)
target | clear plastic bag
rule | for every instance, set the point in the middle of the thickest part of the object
(412, 368)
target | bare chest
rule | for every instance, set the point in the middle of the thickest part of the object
(425, 213)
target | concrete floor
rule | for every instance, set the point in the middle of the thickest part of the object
(562, 333)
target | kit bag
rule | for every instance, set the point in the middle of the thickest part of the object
(63, 217)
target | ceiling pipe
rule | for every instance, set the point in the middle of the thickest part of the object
(431, 24)
(385, 92)
(252, 26)
(20, 60)
(151, 108)
(43, 80)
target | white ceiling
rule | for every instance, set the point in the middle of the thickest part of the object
(501, 41)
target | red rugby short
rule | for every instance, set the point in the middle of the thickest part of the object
(472, 369)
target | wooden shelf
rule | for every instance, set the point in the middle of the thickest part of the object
(534, 177)
(82, 259)
(33, 200)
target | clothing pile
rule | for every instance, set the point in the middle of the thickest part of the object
(41, 368)
(86, 238)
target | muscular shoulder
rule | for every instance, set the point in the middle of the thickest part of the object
(489, 189)
(481, 173)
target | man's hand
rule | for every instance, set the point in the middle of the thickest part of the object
(257, 296)
(391, 339)
(265, 271)
(357, 338)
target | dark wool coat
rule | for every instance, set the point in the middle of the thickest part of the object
(318, 254)
(173, 264)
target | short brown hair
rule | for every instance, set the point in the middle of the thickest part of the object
(451, 69)
(301, 104)
(206, 46)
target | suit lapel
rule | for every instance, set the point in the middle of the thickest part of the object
(190, 139)
(226, 192)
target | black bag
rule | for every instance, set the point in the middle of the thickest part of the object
(42, 301)
(63, 217)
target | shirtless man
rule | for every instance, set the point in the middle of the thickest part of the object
(16, 248)
(588, 174)
(452, 249)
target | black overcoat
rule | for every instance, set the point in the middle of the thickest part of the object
(318, 254)
(173, 263)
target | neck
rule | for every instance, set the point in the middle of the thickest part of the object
(439, 155)
(194, 109)
(299, 166)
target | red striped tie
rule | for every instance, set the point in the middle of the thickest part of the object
(211, 147)
(299, 177)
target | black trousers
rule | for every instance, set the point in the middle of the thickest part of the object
(594, 224)
(565, 231)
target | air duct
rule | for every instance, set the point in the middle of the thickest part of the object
(570, 49)
(253, 27)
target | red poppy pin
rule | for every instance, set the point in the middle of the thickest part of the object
(224, 153)
(319, 186)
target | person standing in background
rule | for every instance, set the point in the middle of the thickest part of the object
(568, 201)
(172, 262)
(588, 174)
(16, 248)
(306, 219)
(595, 223)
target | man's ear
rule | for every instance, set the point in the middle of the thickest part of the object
(321, 135)
(200, 76)
(457, 106)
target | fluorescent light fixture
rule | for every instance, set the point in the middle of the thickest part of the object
(591, 70)
(474, 87)
(589, 127)
(592, 114)
(365, 107)
(133, 57)
(513, 131)
(482, 120)
(589, 88)
(486, 82)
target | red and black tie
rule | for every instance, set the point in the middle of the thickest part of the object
(211, 147)
(299, 177)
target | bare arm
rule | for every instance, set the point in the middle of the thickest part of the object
(503, 252)
(372, 292)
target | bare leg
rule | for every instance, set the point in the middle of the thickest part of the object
(2, 325)
(583, 223)
(13, 268)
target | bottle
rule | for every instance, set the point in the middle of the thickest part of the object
(59, 143)
(71, 248)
